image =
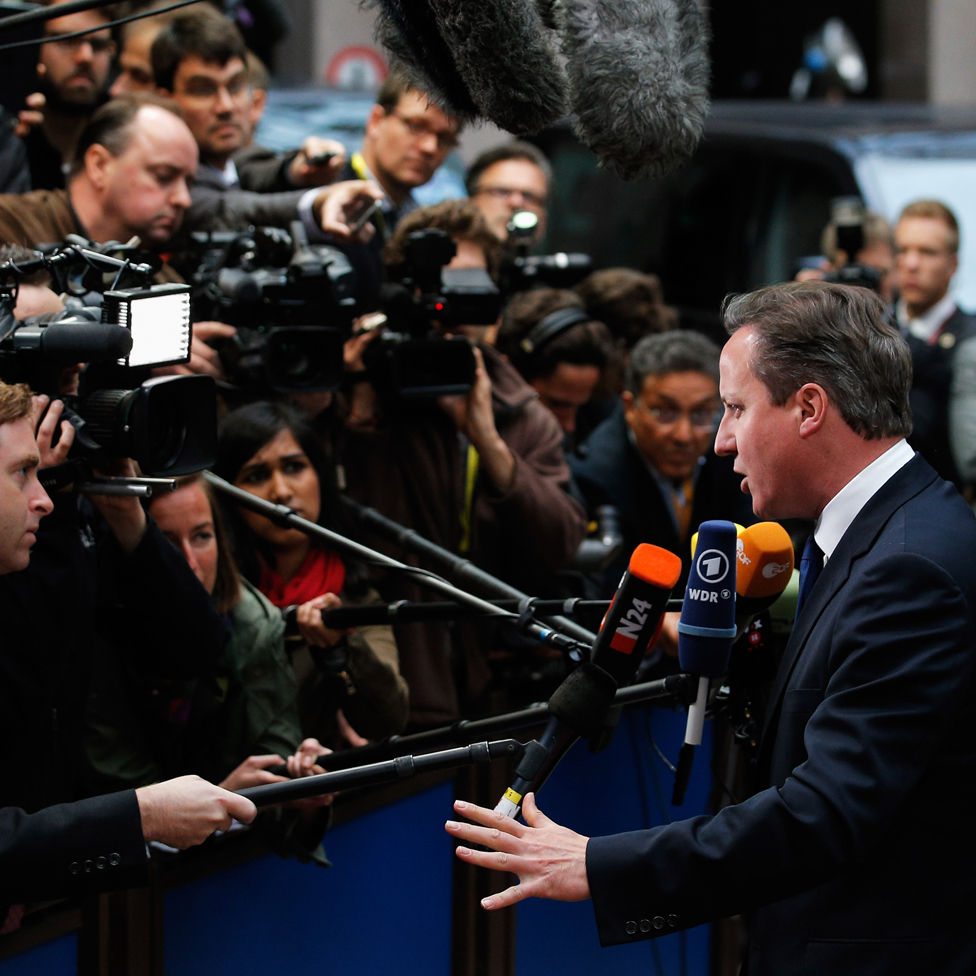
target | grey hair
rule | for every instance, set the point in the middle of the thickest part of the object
(671, 352)
(837, 336)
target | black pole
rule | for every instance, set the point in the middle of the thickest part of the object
(402, 767)
(50, 13)
(405, 611)
(284, 516)
(458, 568)
(675, 687)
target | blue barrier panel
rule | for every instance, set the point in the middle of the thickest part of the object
(57, 958)
(625, 788)
(383, 907)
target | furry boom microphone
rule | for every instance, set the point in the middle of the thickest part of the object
(635, 75)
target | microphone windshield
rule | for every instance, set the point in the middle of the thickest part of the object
(655, 565)
(764, 554)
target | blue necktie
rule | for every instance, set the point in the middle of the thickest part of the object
(811, 565)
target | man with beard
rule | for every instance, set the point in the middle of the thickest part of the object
(73, 73)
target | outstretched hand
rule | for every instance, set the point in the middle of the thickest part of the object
(550, 860)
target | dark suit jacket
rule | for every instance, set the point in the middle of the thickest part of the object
(932, 369)
(861, 849)
(609, 471)
(91, 845)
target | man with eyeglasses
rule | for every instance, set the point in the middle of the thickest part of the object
(509, 178)
(72, 76)
(200, 61)
(654, 460)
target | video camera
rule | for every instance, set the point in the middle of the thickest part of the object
(522, 271)
(413, 358)
(848, 216)
(292, 303)
(167, 425)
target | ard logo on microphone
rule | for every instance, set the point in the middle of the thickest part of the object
(629, 628)
(711, 566)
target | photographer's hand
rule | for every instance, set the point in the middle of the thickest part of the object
(32, 116)
(336, 206)
(123, 514)
(252, 772)
(309, 619)
(44, 431)
(302, 172)
(474, 417)
(203, 357)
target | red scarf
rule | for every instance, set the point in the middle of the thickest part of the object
(321, 572)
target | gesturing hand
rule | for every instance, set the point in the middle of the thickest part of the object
(550, 860)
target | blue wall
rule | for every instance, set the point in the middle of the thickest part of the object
(627, 787)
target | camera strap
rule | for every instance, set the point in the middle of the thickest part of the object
(61, 475)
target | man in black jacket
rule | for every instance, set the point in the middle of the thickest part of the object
(653, 458)
(98, 843)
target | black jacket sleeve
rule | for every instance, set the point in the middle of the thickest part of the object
(71, 848)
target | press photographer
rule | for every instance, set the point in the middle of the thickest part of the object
(480, 473)
(102, 571)
(94, 844)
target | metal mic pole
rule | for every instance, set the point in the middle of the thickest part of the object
(403, 767)
(673, 688)
(455, 566)
(282, 515)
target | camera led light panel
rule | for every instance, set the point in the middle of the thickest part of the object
(159, 320)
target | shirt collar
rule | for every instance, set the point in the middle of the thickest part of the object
(926, 325)
(226, 174)
(844, 507)
(665, 485)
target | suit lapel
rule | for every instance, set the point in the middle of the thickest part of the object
(857, 540)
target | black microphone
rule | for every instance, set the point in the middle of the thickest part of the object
(78, 341)
(706, 630)
(579, 705)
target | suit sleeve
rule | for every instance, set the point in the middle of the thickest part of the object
(900, 672)
(72, 848)
(217, 209)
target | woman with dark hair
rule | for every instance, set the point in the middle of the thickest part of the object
(228, 726)
(349, 681)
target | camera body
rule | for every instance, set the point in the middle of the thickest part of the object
(416, 357)
(848, 217)
(292, 304)
(167, 425)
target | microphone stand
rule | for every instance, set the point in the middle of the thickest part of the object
(679, 688)
(462, 570)
(284, 516)
(403, 767)
(406, 611)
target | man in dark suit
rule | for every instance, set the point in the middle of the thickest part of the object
(653, 458)
(926, 259)
(98, 843)
(859, 855)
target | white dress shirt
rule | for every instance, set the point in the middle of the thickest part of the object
(843, 508)
(927, 325)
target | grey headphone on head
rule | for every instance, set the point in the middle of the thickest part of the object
(553, 324)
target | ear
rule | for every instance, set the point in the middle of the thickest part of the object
(98, 162)
(812, 403)
(628, 401)
(376, 115)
